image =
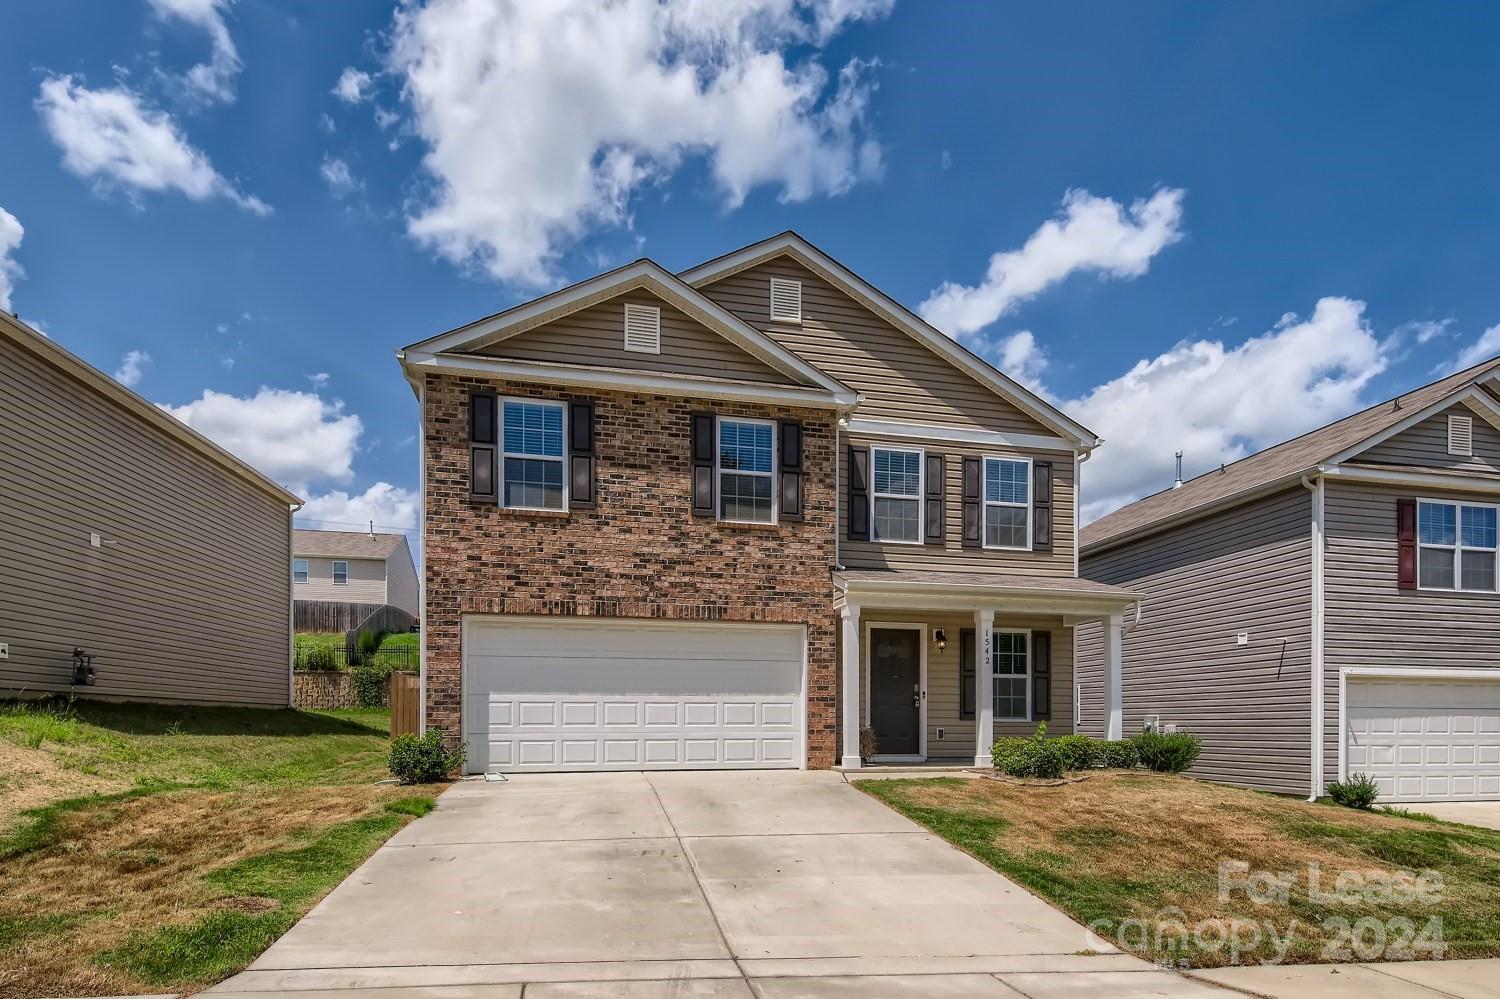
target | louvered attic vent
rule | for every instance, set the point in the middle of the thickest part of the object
(643, 329)
(786, 300)
(1461, 435)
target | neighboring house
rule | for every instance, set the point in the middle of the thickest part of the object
(125, 534)
(1326, 606)
(368, 569)
(725, 518)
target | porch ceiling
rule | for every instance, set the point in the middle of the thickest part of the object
(1001, 592)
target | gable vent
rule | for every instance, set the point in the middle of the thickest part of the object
(643, 329)
(786, 300)
(1461, 435)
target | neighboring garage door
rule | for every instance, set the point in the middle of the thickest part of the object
(590, 694)
(1425, 740)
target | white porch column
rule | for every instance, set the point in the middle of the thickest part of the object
(849, 673)
(1114, 700)
(984, 687)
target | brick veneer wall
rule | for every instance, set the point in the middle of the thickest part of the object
(323, 689)
(639, 553)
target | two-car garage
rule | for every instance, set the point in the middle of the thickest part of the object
(579, 693)
(1425, 737)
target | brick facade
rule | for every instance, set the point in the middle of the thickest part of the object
(639, 553)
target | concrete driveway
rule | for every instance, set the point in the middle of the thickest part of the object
(766, 884)
(1474, 813)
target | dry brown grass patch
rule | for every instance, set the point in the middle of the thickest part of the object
(33, 777)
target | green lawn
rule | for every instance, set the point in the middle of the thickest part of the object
(156, 848)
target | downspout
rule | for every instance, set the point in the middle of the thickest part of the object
(1316, 487)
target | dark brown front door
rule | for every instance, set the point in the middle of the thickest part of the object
(896, 690)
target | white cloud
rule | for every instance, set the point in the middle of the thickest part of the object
(319, 380)
(11, 233)
(387, 505)
(542, 120)
(353, 86)
(1090, 234)
(340, 179)
(132, 367)
(385, 119)
(108, 136)
(1482, 349)
(212, 81)
(294, 437)
(1018, 355)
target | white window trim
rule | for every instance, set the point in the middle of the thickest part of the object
(1457, 546)
(561, 461)
(333, 571)
(306, 571)
(985, 503)
(1026, 677)
(919, 497)
(719, 471)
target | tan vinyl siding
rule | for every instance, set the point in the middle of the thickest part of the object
(366, 581)
(1427, 444)
(900, 379)
(596, 335)
(401, 587)
(190, 601)
(1248, 569)
(943, 678)
(1370, 621)
(952, 555)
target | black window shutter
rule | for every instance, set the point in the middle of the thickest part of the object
(966, 667)
(1406, 544)
(1041, 506)
(790, 477)
(483, 431)
(972, 537)
(859, 494)
(934, 521)
(1041, 675)
(703, 464)
(582, 460)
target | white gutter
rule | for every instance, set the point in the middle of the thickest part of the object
(1318, 617)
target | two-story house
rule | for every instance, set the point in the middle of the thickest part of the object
(1326, 606)
(730, 517)
(339, 578)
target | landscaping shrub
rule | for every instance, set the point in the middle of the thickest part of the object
(372, 684)
(423, 759)
(1037, 756)
(1118, 754)
(1079, 752)
(1167, 752)
(1359, 791)
(318, 657)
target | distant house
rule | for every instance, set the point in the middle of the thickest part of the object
(126, 536)
(364, 571)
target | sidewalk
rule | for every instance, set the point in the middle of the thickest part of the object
(1396, 980)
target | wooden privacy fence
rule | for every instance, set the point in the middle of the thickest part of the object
(406, 703)
(380, 620)
(329, 615)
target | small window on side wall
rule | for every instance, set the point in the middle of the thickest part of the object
(299, 570)
(340, 573)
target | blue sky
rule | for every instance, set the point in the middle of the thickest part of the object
(1205, 226)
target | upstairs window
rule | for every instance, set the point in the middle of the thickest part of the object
(299, 570)
(1456, 546)
(643, 329)
(532, 433)
(1011, 660)
(746, 460)
(896, 500)
(786, 300)
(340, 573)
(1007, 503)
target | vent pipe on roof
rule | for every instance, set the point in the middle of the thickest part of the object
(1177, 482)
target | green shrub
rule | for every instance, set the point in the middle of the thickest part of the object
(1118, 754)
(1079, 752)
(1037, 756)
(317, 657)
(423, 759)
(1167, 752)
(1359, 791)
(372, 684)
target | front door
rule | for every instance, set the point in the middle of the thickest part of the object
(896, 690)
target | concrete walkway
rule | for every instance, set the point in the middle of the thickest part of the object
(766, 884)
(1473, 813)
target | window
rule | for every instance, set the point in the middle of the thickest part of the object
(897, 497)
(746, 460)
(1460, 435)
(299, 570)
(786, 300)
(1456, 546)
(643, 329)
(1011, 658)
(1007, 503)
(533, 438)
(341, 573)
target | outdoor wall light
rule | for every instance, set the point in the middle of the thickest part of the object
(940, 637)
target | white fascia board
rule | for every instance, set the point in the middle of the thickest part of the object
(900, 317)
(1429, 480)
(1471, 396)
(628, 381)
(957, 435)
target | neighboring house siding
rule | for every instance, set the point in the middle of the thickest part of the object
(190, 598)
(900, 379)
(401, 587)
(951, 555)
(366, 581)
(1370, 621)
(1427, 444)
(596, 335)
(1244, 570)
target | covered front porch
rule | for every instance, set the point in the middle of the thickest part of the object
(934, 666)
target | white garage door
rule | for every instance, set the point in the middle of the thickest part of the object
(1425, 740)
(584, 694)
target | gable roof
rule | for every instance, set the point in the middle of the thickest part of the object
(345, 544)
(1277, 466)
(642, 273)
(792, 245)
(48, 351)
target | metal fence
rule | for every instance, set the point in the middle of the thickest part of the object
(335, 658)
